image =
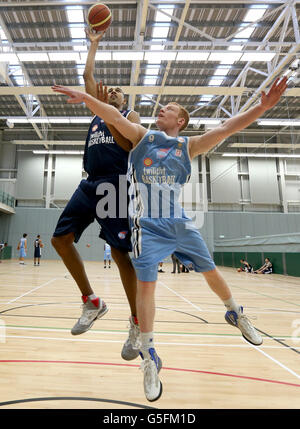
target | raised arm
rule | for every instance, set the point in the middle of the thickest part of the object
(202, 144)
(110, 115)
(88, 75)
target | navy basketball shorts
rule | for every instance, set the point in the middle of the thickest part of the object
(155, 239)
(81, 211)
(37, 252)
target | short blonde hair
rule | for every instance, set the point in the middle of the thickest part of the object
(183, 113)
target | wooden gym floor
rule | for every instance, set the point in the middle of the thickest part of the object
(206, 363)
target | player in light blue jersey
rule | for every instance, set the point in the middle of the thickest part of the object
(22, 247)
(107, 255)
(159, 164)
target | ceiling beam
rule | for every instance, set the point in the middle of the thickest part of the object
(29, 108)
(120, 3)
(135, 90)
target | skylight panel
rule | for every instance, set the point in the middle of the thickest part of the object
(245, 34)
(206, 97)
(150, 80)
(254, 14)
(222, 71)
(2, 35)
(19, 80)
(160, 32)
(215, 81)
(77, 32)
(75, 14)
(80, 69)
(152, 70)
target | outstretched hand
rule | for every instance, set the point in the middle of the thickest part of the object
(102, 94)
(93, 36)
(75, 96)
(277, 89)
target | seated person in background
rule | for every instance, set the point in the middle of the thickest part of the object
(246, 266)
(267, 268)
(185, 269)
(161, 268)
(2, 245)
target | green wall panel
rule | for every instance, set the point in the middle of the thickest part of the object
(228, 259)
(293, 264)
(6, 253)
(218, 258)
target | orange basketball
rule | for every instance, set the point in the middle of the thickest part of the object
(99, 17)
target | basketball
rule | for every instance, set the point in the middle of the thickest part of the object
(99, 17)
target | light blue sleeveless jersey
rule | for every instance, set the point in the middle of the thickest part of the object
(158, 167)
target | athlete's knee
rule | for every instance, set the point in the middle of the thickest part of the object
(62, 241)
(121, 258)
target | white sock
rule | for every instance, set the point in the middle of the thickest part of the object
(93, 296)
(147, 341)
(231, 305)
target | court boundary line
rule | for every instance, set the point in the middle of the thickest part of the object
(137, 366)
(276, 361)
(89, 340)
(30, 291)
(180, 296)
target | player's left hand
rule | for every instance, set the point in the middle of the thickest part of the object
(75, 96)
(277, 89)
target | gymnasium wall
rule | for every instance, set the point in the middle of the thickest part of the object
(34, 221)
(254, 184)
(246, 201)
(233, 184)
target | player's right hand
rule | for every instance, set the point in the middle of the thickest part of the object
(93, 36)
(102, 94)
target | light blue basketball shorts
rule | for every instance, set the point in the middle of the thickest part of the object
(155, 239)
(107, 256)
(22, 253)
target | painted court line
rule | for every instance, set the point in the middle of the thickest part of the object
(180, 296)
(121, 332)
(87, 340)
(277, 362)
(165, 368)
(30, 291)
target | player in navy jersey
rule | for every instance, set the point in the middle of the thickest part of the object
(105, 162)
(38, 245)
(159, 165)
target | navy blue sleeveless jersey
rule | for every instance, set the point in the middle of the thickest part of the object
(102, 155)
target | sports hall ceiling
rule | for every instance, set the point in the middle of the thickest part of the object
(213, 57)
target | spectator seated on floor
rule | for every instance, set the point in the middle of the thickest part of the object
(267, 268)
(246, 267)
